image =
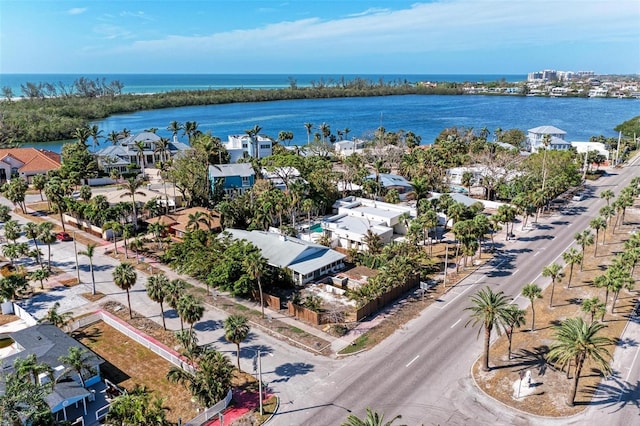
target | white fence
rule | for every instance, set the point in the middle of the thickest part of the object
(24, 315)
(211, 412)
(133, 334)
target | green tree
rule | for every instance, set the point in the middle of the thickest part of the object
(157, 288)
(13, 285)
(372, 418)
(124, 276)
(584, 239)
(593, 306)
(89, 252)
(137, 408)
(23, 402)
(513, 318)
(553, 271)
(131, 188)
(78, 360)
(15, 191)
(597, 224)
(12, 230)
(57, 318)
(607, 195)
(255, 266)
(40, 275)
(209, 379)
(47, 237)
(190, 309)
(29, 368)
(236, 330)
(116, 229)
(488, 310)
(577, 342)
(174, 290)
(31, 231)
(39, 182)
(571, 257)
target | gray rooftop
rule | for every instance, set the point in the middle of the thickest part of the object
(226, 170)
(300, 256)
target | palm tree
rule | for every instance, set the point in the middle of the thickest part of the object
(210, 379)
(514, 318)
(31, 231)
(89, 252)
(82, 134)
(372, 419)
(532, 292)
(157, 287)
(309, 127)
(597, 224)
(116, 228)
(255, 266)
(77, 360)
(607, 195)
(554, 271)
(195, 219)
(132, 188)
(96, 134)
(40, 275)
(571, 257)
(139, 147)
(488, 310)
(593, 306)
(174, 127)
(174, 290)
(113, 137)
(29, 368)
(47, 237)
(12, 230)
(137, 408)
(56, 318)
(236, 330)
(190, 309)
(584, 239)
(124, 276)
(577, 342)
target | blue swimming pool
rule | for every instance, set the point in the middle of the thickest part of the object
(316, 228)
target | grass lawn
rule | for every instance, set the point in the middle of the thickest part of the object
(530, 348)
(129, 363)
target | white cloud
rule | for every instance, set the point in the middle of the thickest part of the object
(111, 32)
(76, 10)
(138, 14)
(454, 25)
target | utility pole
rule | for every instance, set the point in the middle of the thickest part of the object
(75, 250)
(446, 258)
(260, 381)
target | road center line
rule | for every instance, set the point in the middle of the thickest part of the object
(413, 360)
(456, 323)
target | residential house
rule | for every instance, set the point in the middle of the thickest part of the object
(599, 147)
(178, 223)
(236, 178)
(48, 343)
(535, 138)
(126, 154)
(391, 181)
(26, 163)
(242, 146)
(346, 148)
(282, 177)
(307, 261)
(355, 217)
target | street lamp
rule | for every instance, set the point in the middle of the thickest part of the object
(257, 365)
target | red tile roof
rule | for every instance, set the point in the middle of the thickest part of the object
(33, 160)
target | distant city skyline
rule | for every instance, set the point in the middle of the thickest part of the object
(315, 37)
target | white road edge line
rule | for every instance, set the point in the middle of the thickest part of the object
(413, 360)
(633, 362)
(515, 272)
(456, 323)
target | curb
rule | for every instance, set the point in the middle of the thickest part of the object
(274, 411)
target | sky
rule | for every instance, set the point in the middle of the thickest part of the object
(319, 36)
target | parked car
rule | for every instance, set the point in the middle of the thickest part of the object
(64, 236)
(577, 197)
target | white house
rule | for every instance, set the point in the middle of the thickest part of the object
(346, 148)
(536, 136)
(241, 146)
(307, 261)
(356, 216)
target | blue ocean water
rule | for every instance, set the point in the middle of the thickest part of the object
(425, 115)
(154, 83)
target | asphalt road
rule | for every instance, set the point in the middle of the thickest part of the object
(423, 370)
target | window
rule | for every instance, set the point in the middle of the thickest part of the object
(244, 146)
(246, 181)
(265, 146)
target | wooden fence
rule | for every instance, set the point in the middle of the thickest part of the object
(380, 302)
(304, 314)
(271, 301)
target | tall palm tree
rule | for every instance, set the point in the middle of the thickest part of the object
(597, 224)
(372, 419)
(553, 271)
(607, 195)
(175, 289)
(190, 309)
(255, 266)
(157, 289)
(77, 360)
(31, 231)
(236, 330)
(47, 237)
(40, 275)
(532, 292)
(89, 252)
(56, 318)
(113, 137)
(82, 134)
(124, 276)
(139, 147)
(132, 188)
(29, 368)
(195, 219)
(577, 342)
(116, 228)
(174, 127)
(593, 306)
(584, 239)
(514, 318)
(96, 134)
(309, 127)
(571, 257)
(488, 310)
